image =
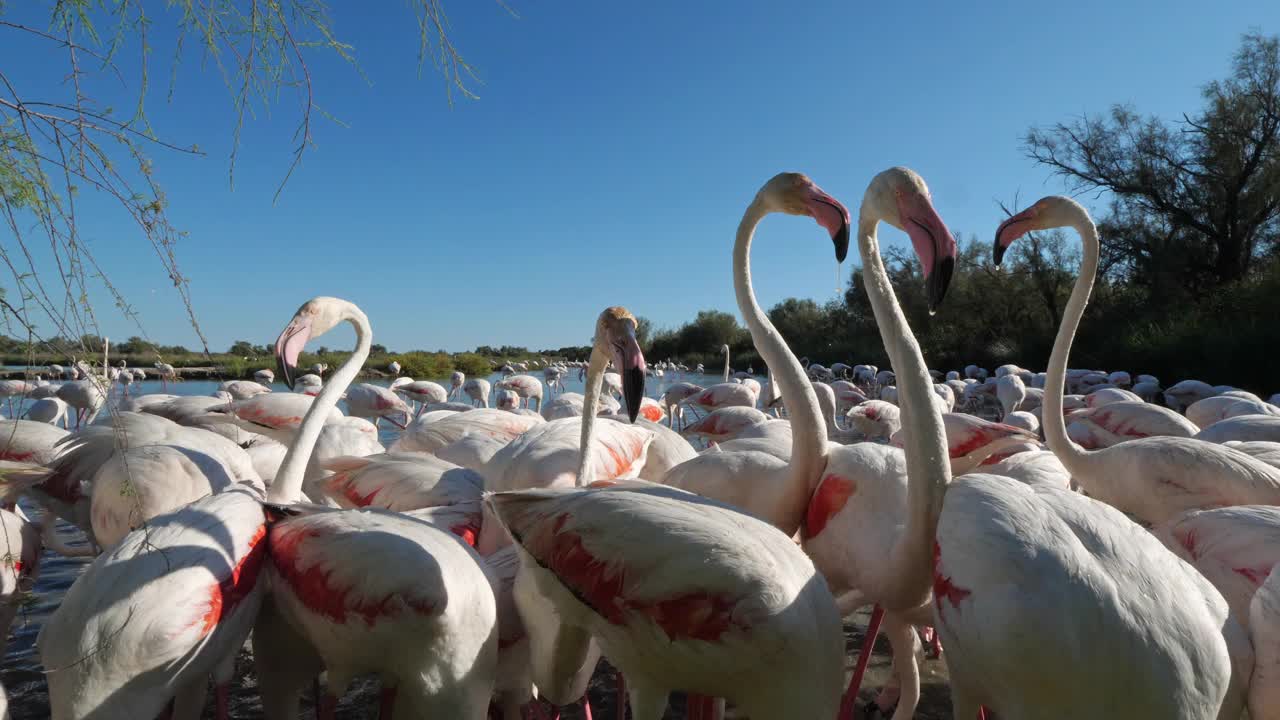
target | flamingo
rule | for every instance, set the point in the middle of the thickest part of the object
(1048, 563)
(431, 435)
(675, 395)
(1151, 478)
(1114, 423)
(424, 392)
(242, 389)
(192, 574)
(768, 487)
(560, 452)
(876, 419)
(50, 410)
(478, 390)
(725, 423)
(1248, 428)
(677, 609)
(1221, 407)
(167, 374)
(264, 376)
(1183, 394)
(400, 482)
(86, 396)
(456, 381)
(352, 624)
(376, 402)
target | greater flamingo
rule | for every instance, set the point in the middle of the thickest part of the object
(761, 483)
(1151, 478)
(675, 601)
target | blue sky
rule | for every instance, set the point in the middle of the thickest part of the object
(611, 152)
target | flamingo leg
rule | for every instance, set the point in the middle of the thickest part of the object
(851, 695)
(317, 694)
(222, 701)
(387, 703)
(328, 707)
(622, 695)
(586, 705)
(704, 707)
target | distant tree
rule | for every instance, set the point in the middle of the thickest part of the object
(1202, 194)
(243, 348)
(802, 324)
(644, 329)
(377, 349)
(710, 330)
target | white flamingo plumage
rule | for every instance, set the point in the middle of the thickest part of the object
(679, 609)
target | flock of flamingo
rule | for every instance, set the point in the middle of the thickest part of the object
(1073, 543)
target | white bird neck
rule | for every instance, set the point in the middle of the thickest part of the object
(590, 406)
(1071, 455)
(928, 468)
(808, 434)
(287, 486)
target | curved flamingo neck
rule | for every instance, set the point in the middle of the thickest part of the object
(287, 486)
(808, 434)
(1072, 456)
(928, 470)
(590, 406)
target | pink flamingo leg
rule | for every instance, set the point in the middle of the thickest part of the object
(387, 704)
(222, 701)
(586, 708)
(328, 707)
(622, 696)
(851, 695)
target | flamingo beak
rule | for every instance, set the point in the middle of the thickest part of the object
(289, 347)
(833, 216)
(1010, 230)
(933, 243)
(630, 362)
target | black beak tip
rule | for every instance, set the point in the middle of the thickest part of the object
(841, 240)
(939, 281)
(287, 373)
(997, 252)
(633, 391)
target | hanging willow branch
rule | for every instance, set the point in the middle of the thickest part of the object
(57, 142)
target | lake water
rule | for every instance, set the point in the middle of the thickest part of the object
(22, 672)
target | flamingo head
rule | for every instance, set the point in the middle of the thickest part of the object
(795, 194)
(899, 197)
(616, 334)
(1048, 212)
(315, 318)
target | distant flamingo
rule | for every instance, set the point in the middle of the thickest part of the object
(375, 403)
(478, 390)
(456, 381)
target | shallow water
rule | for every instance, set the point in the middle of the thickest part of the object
(22, 673)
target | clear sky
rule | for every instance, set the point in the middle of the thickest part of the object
(611, 152)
